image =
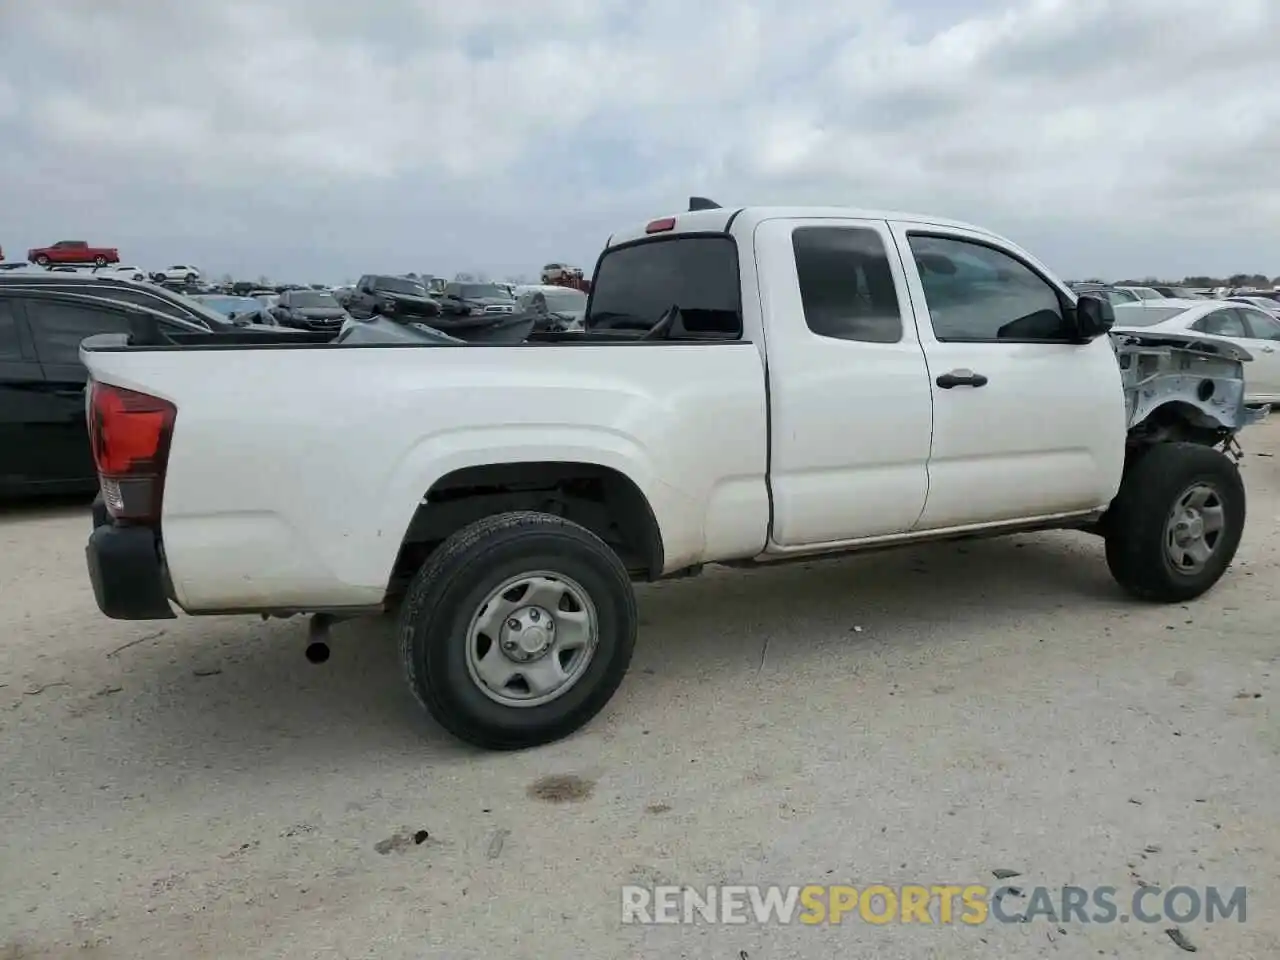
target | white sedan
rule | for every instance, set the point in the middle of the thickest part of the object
(1242, 324)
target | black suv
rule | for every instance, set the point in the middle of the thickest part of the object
(391, 297)
(44, 440)
(143, 294)
(309, 310)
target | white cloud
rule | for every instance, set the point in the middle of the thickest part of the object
(1112, 136)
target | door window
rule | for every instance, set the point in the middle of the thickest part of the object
(60, 328)
(1226, 322)
(1262, 326)
(977, 293)
(10, 348)
(846, 284)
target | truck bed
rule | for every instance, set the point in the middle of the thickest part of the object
(295, 469)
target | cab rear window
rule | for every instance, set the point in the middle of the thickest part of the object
(635, 285)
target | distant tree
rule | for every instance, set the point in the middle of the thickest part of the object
(227, 278)
(463, 277)
(264, 280)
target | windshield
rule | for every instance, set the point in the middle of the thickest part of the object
(313, 300)
(477, 291)
(401, 285)
(1145, 316)
(636, 284)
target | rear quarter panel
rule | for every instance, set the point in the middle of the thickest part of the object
(293, 474)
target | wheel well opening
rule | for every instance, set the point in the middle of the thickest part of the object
(1178, 421)
(606, 502)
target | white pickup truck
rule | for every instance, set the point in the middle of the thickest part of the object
(753, 386)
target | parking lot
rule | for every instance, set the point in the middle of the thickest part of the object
(196, 788)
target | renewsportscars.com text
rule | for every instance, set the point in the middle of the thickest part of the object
(971, 904)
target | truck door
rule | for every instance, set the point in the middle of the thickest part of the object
(1026, 424)
(849, 398)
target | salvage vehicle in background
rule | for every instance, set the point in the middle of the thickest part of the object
(559, 307)
(239, 311)
(309, 310)
(1251, 329)
(926, 380)
(73, 251)
(179, 273)
(391, 296)
(462, 299)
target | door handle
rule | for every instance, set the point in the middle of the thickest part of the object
(961, 378)
(76, 394)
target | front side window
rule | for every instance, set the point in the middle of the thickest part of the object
(636, 285)
(60, 328)
(975, 292)
(846, 284)
(1262, 326)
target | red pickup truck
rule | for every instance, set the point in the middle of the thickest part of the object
(73, 251)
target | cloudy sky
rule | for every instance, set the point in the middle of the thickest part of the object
(316, 139)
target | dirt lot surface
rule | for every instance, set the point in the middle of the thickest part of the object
(197, 789)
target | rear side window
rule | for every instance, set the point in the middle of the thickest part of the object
(1222, 323)
(635, 285)
(10, 349)
(59, 328)
(142, 299)
(846, 284)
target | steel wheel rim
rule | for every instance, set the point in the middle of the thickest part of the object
(1194, 529)
(531, 639)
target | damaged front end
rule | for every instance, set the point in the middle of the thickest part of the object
(1183, 387)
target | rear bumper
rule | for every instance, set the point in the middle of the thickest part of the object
(127, 571)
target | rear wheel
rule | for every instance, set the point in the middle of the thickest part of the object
(1174, 527)
(518, 630)
(99, 261)
(42, 260)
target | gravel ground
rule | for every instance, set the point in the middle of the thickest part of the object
(198, 789)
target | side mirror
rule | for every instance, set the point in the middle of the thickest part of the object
(1094, 316)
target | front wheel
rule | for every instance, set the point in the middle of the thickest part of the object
(42, 260)
(518, 630)
(99, 261)
(1174, 527)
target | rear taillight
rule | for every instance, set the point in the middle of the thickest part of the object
(130, 433)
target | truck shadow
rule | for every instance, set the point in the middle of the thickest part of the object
(31, 508)
(236, 695)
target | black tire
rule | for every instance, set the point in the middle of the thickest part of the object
(1135, 527)
(99, 261)
(454, 582)
(42, 260)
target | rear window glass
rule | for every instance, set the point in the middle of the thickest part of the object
(634, 286)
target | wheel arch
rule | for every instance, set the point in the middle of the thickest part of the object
(606, 500)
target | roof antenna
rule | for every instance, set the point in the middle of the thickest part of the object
(702, 203)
